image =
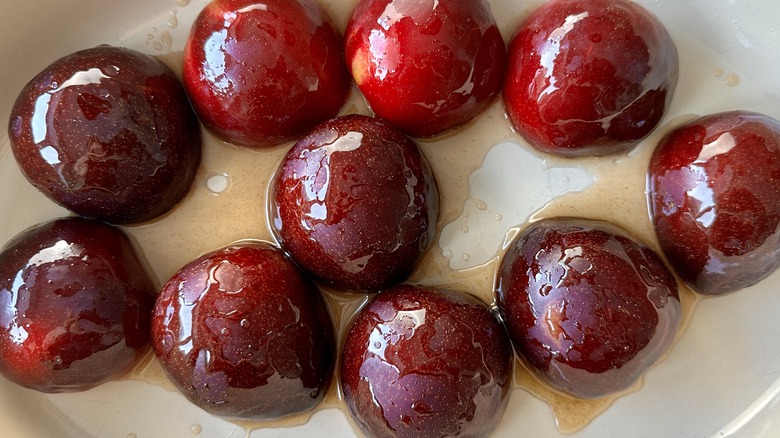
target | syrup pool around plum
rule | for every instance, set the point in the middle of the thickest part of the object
(717, 374)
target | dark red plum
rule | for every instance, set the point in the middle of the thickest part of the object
(261, 73)
(589, 77)
(242, 333)
(426, 66)
(355, 203)
(75, 304)
(714, 195)
(426, 363)
(107, 133)
(587, 308)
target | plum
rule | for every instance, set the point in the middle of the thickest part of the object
(355, 203)
(587, 308)
(75, 305)
(714, 196)
(260, 73)
(426, 363)
(243, 333)
(589, 77)
(426, 66)
(107, 133)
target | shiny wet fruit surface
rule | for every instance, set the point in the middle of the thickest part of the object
(242, 333)
(589, 77)
(714, 193)
(426, 363)
(75, 304)
(260, 73)
(424, 65)
(587, 308)
(107, 133)
(355, 203)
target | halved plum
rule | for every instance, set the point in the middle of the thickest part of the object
(425, 66)
(107, 133)
(587, 308)
(75, 305)
(423, 362)
(714, 195)
(263, 72)
(355, 203)
(243, 333)
(589, 77)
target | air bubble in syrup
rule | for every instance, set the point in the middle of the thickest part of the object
(218, 183)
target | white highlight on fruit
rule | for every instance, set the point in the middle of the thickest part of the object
(501, 188)
(346, 143)
(549, 55)
(721, 145)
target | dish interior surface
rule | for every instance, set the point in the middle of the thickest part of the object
(722, 375)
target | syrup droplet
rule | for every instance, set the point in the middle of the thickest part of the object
(732, 80)
(182, 3)
(167, 40)
(196, 429)
(173, 20)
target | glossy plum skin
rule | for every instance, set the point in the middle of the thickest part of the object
(589, 77)
(587, 308)
(355, 203)
(75, 305)
(425, 66)
(242, 333)
(107, 133)
(426, 363)
(714, 196)
(260, 73)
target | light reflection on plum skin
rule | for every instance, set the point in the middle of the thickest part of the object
(714, 196)
(242, 333)
(589, 77)
(355, 203)
(75, 302)
(261, 73)
(426, 362)
(587, 308)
